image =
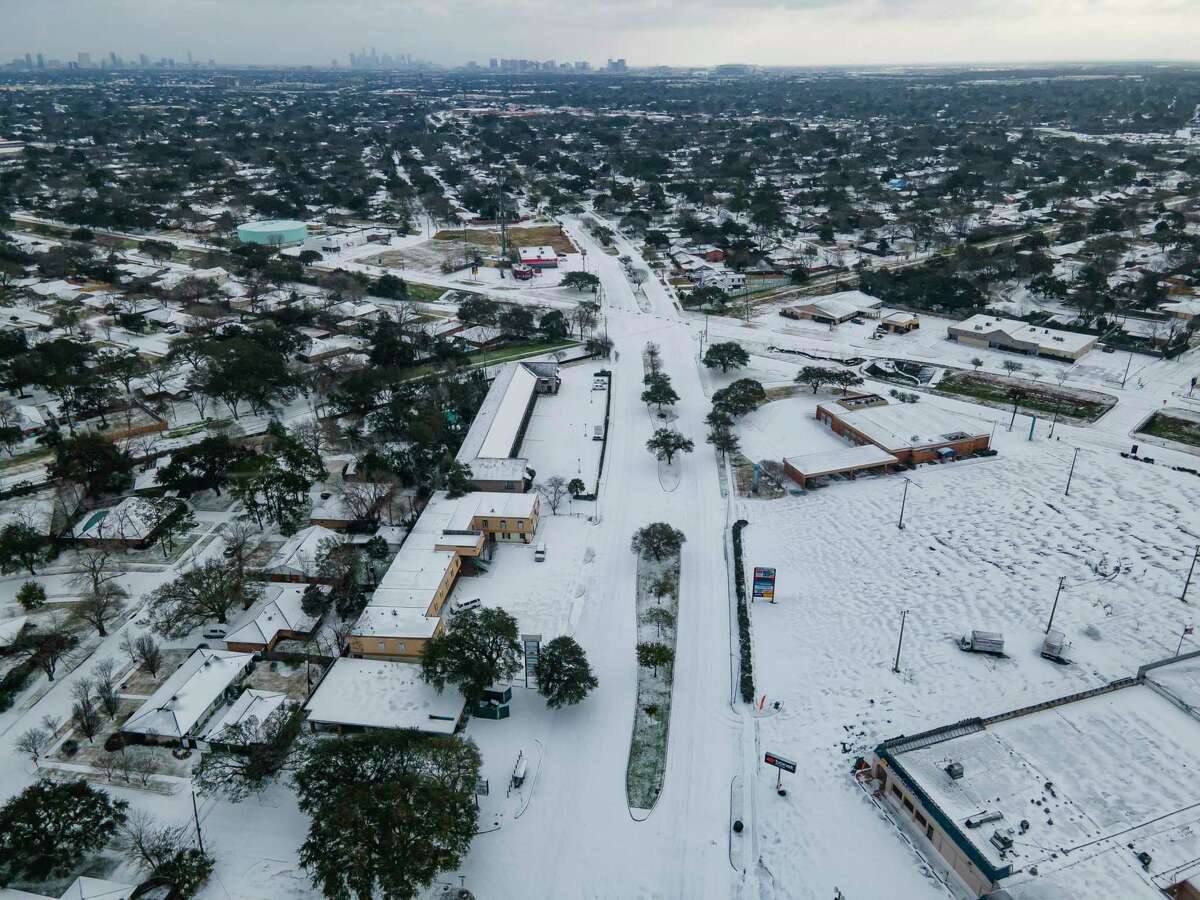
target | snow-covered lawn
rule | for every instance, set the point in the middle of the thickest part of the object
(984, 545)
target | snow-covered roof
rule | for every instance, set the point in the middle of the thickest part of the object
(900, 426)
(10, 629)
(1043, 338)
(382, 694)
(254, 705)
(1100, 772)
(394, 621)
(280, 609)
(491, 441)
(501, 437)
(184, 700)
(832, 461)
(544, 253)
(299, 553)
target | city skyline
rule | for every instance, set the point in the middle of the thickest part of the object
(701, 33)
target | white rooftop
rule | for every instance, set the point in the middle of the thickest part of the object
(300, 552)
(827, 461)
(379, 694)
(252, 705)
(280, 609)
(1100, 772)
(1048, 338)
(184, 699)
(903, 425)
(394, 621)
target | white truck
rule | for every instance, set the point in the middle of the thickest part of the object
(991, 642)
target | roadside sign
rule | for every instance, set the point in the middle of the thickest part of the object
(772, 759)
(764, 583)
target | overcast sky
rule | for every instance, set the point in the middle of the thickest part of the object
(646, 32)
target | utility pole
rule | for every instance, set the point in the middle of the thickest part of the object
(196, 814)
(1071, 474)
(1054, 608)
(1054, 420)
(1128, 363)
(904, 500)
(900, 643)
(1187, 629)
(1191, 569)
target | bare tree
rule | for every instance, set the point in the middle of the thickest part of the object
(97, 568)
(35, 742)
(106, 686)
(144, 651)
(365, 499)
(310, 434)
(140, 763)
(84, 713)
(152, 846)
(242, 540)
(97, 608)
(554, 491)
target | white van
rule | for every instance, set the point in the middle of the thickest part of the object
(460, 605)
(539, 552)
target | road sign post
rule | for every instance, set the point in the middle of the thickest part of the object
(781, 765)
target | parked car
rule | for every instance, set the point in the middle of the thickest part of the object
(539, 552)
(464, 604)
(216, 633)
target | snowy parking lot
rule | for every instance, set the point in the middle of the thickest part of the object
(984, 545)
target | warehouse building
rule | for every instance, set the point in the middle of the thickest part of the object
(911, 433)
(1020, 337)
(491, 446)
(1088, 795)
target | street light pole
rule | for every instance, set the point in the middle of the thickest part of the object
(1191, 569)
(1054, 608)
(1071, 474)
(900, 642)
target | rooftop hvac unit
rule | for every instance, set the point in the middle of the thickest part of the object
(1001, 842)
(955, 770)
(983, 818)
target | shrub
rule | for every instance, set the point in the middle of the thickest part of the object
(70, 747)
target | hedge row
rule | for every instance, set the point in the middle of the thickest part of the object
(13, 683)
(747, 664)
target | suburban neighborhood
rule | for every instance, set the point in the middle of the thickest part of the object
(424, 481)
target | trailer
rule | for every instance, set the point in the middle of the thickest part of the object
(989, 642)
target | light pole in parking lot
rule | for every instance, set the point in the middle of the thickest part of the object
(900, 642)
(904, 500)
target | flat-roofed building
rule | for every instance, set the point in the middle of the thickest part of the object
(370, 694)
(910, 432)
(1020, 337)
(492, 445)
(1081, 796)
(846, 462)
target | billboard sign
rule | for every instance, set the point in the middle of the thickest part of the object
(764, 583)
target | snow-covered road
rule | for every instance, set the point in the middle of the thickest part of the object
(578, 838)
